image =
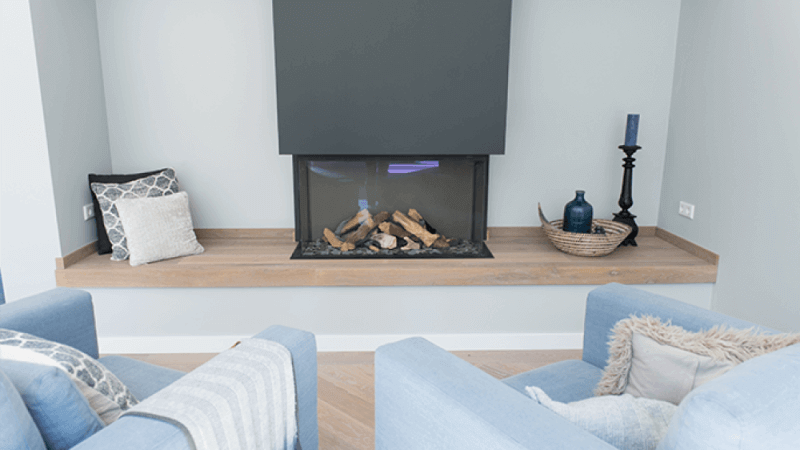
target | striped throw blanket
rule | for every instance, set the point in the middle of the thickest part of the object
(243, 398)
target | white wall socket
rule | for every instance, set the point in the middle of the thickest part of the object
(88, 211)
(686, 210)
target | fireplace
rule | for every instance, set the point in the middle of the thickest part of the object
(403, 206)
(390, 110)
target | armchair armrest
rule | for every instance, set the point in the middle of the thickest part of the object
(303, 347)
(61, 315)
(140, 433)
(426, 397)
(607, 305)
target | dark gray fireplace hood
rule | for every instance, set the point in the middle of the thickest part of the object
(392, 77)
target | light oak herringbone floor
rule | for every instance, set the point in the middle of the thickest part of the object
(346, 386)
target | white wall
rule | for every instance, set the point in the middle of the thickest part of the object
(577, 68)
(734, 152)
(191, 84)
(71, 83)
(30, 237)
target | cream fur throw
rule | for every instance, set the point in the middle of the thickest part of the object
(648, 358)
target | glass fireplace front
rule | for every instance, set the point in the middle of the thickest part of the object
(357, 199)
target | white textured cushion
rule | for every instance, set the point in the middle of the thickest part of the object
(158, 228)
(623, 421)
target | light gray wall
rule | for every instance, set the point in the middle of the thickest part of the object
(734, 152)
(191, 85)
(577, 68)
(356, 311)
(30, 237)
(71, 82)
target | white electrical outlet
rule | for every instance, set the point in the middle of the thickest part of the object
(88, 211)
(686, 210)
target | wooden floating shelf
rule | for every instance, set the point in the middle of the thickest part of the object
(522, 256)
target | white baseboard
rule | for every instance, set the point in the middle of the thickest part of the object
(454, 342)
(348, 343)
(166, 344)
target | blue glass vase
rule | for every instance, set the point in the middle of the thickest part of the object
(578, 215)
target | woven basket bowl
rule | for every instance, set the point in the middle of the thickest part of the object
(585, 244)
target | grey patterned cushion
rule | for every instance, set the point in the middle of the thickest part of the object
(104, 391)
(160, 184)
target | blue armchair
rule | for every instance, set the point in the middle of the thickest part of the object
(427, 398)
(67, 316)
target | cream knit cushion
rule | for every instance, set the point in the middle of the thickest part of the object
(661, 361)
(158, 228)
(624, 421)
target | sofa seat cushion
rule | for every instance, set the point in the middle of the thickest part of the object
(565, 381)
(755, 405)
(143, 379)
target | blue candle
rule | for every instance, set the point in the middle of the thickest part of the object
(631, 129)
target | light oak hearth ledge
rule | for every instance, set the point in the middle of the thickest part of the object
(522, 256)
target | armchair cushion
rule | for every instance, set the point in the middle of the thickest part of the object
(99, 385)
(644, 349)
(624, 421)
(18, 430)
(753, 406)
(61, 413)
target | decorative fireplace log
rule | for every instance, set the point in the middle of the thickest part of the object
(414, 228)
(394, 230)
(412, 213)
(380, 218)
(360, 218)
(331, 238)
(411, 245)
(363, 230)
(441, 242)
(386, 241)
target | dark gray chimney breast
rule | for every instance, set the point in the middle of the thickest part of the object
(392, 77)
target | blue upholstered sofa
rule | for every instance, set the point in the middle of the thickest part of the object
(426, 398)
(67, 316)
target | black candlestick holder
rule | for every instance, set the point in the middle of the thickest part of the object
(626, 196)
